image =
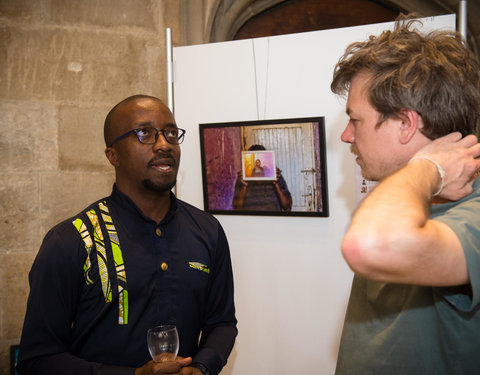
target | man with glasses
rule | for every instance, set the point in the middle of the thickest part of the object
(131, 261)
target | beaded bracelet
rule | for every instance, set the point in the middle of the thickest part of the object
(440, 170)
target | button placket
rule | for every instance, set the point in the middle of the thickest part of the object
(164, 265)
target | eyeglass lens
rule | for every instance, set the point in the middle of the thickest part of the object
(149, 135)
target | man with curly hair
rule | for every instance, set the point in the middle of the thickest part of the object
(414, 242)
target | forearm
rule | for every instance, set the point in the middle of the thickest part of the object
(219, 331)
(215, 348)
(285, 201)
(402, 199)
(239, 197)
(391, 231)
(65, 363)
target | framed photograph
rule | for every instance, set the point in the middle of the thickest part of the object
(258, 166)
(265, 167)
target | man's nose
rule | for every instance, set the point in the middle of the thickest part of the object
(161, 142)
(347, 135)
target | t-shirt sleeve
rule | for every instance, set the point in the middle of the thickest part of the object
(464, 220)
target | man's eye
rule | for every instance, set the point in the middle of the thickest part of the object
(172, 133)
(144, 132)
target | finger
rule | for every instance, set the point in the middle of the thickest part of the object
(167, 367)
(469, 140)
(475, 149)
(474, 176)
(184, 361)
(451, 137)
(477, 167)
(468, 189)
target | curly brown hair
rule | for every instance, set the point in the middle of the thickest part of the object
(433, 74)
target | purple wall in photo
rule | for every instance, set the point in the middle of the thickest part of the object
(223, 149)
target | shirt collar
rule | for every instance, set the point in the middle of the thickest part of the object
(126, 203)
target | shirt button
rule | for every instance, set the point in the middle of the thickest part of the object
(158, 232)
(164, 266)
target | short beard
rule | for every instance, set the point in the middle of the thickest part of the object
(159, 188)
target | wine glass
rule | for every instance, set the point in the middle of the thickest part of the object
(163, 343)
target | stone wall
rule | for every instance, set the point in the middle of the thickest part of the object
(63, 64)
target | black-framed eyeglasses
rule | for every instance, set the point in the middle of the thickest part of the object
(149, 135)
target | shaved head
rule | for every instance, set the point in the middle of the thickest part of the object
(117, 113)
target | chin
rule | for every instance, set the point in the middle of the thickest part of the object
(369, 177)
(159, 187)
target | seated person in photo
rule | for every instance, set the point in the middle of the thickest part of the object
(261, 195)
(258, 171)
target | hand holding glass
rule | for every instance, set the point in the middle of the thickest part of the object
(163, 343)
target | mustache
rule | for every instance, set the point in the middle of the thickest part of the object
(353, 150)
(162, 158)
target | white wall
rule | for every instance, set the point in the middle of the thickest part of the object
(291, 283)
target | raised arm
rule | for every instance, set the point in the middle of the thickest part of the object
(391, 237)
(240, 192)
(282, 192)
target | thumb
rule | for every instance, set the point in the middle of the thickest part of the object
(184, 361)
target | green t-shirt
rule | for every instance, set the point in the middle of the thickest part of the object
(403, 329)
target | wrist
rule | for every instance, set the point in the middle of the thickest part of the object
(201, 367)
(440, 171)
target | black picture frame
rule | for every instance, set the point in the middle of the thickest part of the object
(300, 154)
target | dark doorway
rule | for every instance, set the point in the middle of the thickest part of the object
(296, 16)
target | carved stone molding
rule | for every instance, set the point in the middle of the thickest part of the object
(221, 19)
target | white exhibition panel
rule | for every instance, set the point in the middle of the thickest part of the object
(291, 282)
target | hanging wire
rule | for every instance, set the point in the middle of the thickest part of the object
(256, 79)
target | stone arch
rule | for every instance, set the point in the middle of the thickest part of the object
(229, 15)
(226, 17)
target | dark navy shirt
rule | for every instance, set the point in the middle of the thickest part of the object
(178, 272)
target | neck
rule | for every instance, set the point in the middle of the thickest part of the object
(153, 204)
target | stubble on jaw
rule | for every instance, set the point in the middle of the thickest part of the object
(159, 187)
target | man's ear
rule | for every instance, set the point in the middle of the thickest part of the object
(410, 122)
(112, 156)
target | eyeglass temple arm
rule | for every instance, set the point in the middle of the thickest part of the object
(121, 137)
